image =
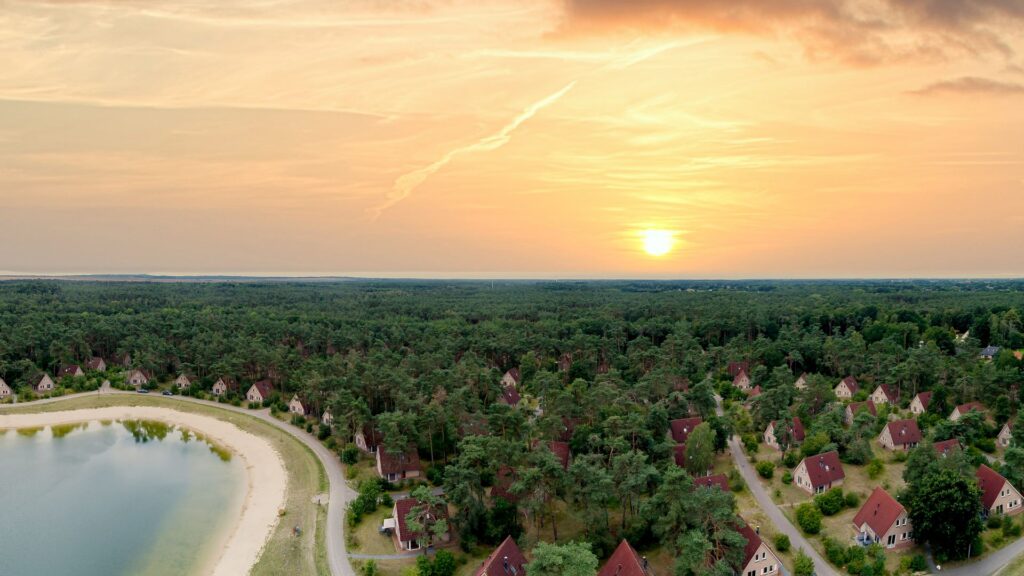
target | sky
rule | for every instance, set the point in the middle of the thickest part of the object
(513, 138)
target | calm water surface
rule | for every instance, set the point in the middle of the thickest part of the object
(111, 499)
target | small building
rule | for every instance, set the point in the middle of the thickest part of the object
(735, 368)
(70, 370)
(408, 539)
(623, 562)
(96, 364)
(946, 447)
(260, 391)
(506, 560)
(902, 434)
(327, 418)
(395, 467)
(741, 380)
(801, 382)
(367, 439)
(509, 396)
(758, 558)
(720, 481)
(1006, 435)
(883, 394)
(138, 378)
(5, 390)
(963, 409)
(184, 381)
(854, 407)
(882, 520)
(989, 352)
(560, 450)
(511, 378)
(816, 474)
(997, 495)
(42, 384)
(298, 406)
(846, 388)
(681, 428)
(504, 478)
(795, 436)
(224, 385)
(919, 405)
(679, 455)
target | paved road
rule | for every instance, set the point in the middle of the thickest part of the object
(340, 493)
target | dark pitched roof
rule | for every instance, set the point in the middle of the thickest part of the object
(503, 481)
(510, 396)
(682, 428)
(736, 367)
(824, 469)
(402, 509)
(514, 373)
(990, 482)
(851, 383)
(719, 480)
(679, 455)
(879, 512)
(506, 560)
(68, 370)
(946, 446)
(264, 387)
(990, 351)
(625, 562)
(965, 408)
(904, 432)
(397, 463)
(889, 394)
(371, 436)
(797, 429)
(561, 451)
(855, 407)
(925, 398)
(741, 375)
(230, 382)
(95, 362)
(753, 542)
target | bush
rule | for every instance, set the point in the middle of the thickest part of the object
(830, 503)
(787, 477)
(298, 420)
(852, 500)
(809, 518)
(765, 469)
(835, 552)
(370, 568)
(900, 456)
(435, 475)
(915, 563)
(994, 521)
(875, 468)
(986, 445)
(781, 542)
(750, 443)
(1010, 528)
(791, 459)
(323, 432)
(350, 455)
(802, 564)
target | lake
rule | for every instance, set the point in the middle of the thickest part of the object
(114, 498)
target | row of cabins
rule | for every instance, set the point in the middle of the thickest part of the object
(43, 383)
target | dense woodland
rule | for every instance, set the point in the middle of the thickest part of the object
(604, 366)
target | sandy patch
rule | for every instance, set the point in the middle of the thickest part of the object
(265, 473)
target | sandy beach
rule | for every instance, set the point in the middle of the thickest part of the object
(265, 473)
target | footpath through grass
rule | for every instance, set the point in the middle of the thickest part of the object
(285, 553)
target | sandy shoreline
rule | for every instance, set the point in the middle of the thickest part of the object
(265, 474)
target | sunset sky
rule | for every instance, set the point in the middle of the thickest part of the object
(513, 138)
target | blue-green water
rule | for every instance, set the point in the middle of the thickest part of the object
(111, 499)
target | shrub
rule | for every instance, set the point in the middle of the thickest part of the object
(915, 563)
(791, 459)
(875, 468)
(750, 443)
(802, 564)
(435, 474)
(736, 483)
(1010, 528)
(370, 569)
(835, 551)
(899, 456)
(781, 542)
(830, 503)
(994, 521)
(986, 445)
(787, 477)
(350, 455)
(809, 518)
(765, 469)
(386, 500)
(852, 500)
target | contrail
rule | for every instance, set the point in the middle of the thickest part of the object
(407, 183)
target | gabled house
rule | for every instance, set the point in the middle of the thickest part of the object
(883, 394)
(801, 382)
(816, 474)
(96, 364)
(367, 439)
(138, 378)
(919, 405)
(70, 370)
(327, 418)
(260, 391)
(184, 381)
(758, 558)
(625, 562)
(42, 384)
(741, 380)
(735, 368)
(395, 467)
(223, 385)
(511, 378)
(946, 447)
(854, 407)
(506, 560)
(794, 437)
(720, 481)
(882, 520)
(679, 455)
(5, 390)
(902, 434)
(989, 352)
(407, 538)
(509, 396)
(299, 406)
(846, 388)
(963, 409)
(681, 428)
(1006, 435)
(998, 496)
(504, 478)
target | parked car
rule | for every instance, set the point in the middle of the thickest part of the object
(142, 391)
(167, 393)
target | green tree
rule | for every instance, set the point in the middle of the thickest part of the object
(571, 559)
(802, 564)
(700, 449)
(945, 510)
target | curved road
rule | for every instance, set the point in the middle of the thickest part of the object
(340, 493)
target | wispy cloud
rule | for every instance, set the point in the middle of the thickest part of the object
(971, 85)
(407, 183)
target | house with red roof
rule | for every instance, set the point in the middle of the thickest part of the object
(963, 409)
(625, 562)
(42, 384)
(260, 391)
(793, 438)
(720, 481)
(511, 378)
(223, 385)
(801, 382)
(681, 428)
(816, 474)
(919, 405)
(395, 467)
(70, 370)
(903, 434)
(407, 538)
(854, 407)
(998, 496)
(96, 364)
(883, 394)
(506, 560)
(882, 520)
(138, 378)
(846, 388)
(367, 439)
(741, 380)
(1006, 435)
(502, 486)
(758, 558)
(735, 368)
(299, 405)
(561, 451)
(946, 447)
(184, 381)
(679, 455)
(510, 396)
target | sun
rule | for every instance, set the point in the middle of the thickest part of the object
(658, 242)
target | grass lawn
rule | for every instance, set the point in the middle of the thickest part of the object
(284, 553)
(366, 537)
(1015, 568)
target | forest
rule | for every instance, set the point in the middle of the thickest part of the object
(603, 366)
